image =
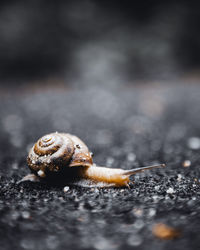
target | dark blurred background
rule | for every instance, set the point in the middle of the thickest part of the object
(98, 42)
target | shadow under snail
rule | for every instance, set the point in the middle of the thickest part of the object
(65, 158)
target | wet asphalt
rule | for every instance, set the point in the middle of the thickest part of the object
(124, 128)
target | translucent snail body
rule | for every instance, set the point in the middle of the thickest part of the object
(64, 156)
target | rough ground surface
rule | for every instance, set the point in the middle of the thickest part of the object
(124, 128)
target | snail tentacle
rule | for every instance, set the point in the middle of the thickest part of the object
(137, 170)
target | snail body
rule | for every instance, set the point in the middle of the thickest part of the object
(59, 156)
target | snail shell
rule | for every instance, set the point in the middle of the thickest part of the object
(57, 151)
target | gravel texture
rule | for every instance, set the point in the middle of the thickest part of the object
(124, 127)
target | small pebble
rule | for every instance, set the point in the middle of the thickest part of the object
(25, 215)
(165, 232)
(151, 212)
(134, 240)
(138, 212)
(179, 178)
(170, 191)
(131, 157)
(66, 189)
(41, 173)
(186, 164)
(194, 143)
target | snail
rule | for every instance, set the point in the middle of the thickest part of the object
(64, 157)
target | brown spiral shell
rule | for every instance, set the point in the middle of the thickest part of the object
(56, 151)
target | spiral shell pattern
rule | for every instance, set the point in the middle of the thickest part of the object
(51, 153)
